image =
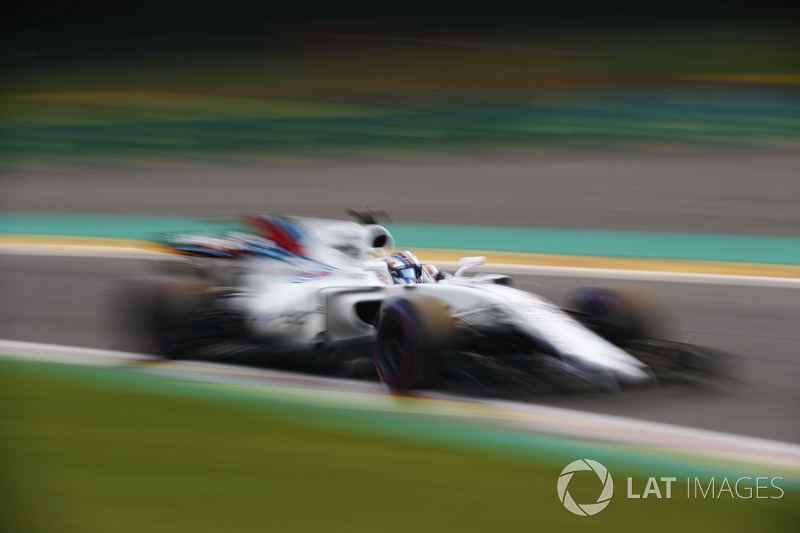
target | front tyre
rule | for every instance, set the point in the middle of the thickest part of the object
(412, 334)
(619, 315)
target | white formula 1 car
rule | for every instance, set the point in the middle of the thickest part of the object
(317, 295)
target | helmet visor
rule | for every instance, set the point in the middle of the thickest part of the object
(407, 274)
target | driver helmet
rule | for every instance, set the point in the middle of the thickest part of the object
(430, 274)
(405, 268)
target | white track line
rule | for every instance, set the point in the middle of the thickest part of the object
(370, 396)
(623, 274)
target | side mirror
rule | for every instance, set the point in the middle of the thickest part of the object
(467, 263)
(375, 266)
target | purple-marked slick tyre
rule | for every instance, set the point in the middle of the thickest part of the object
(411, 335)
(618, 315)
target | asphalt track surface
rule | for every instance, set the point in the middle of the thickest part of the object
(64, 300)
(734, 192)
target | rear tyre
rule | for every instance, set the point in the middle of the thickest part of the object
(163, 315)
(412, 334)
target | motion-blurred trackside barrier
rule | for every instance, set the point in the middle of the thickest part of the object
(131, 124)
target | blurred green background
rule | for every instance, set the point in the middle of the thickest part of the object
(333, 89)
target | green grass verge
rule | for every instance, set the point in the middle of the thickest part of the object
(87, 455)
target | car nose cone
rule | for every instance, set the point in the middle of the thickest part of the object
(635, 377)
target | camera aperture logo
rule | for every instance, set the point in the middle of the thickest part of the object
(585, 509)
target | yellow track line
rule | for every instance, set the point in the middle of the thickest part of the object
(67, 245)
(59, 242)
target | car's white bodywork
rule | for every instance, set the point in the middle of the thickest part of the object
(329, 288)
